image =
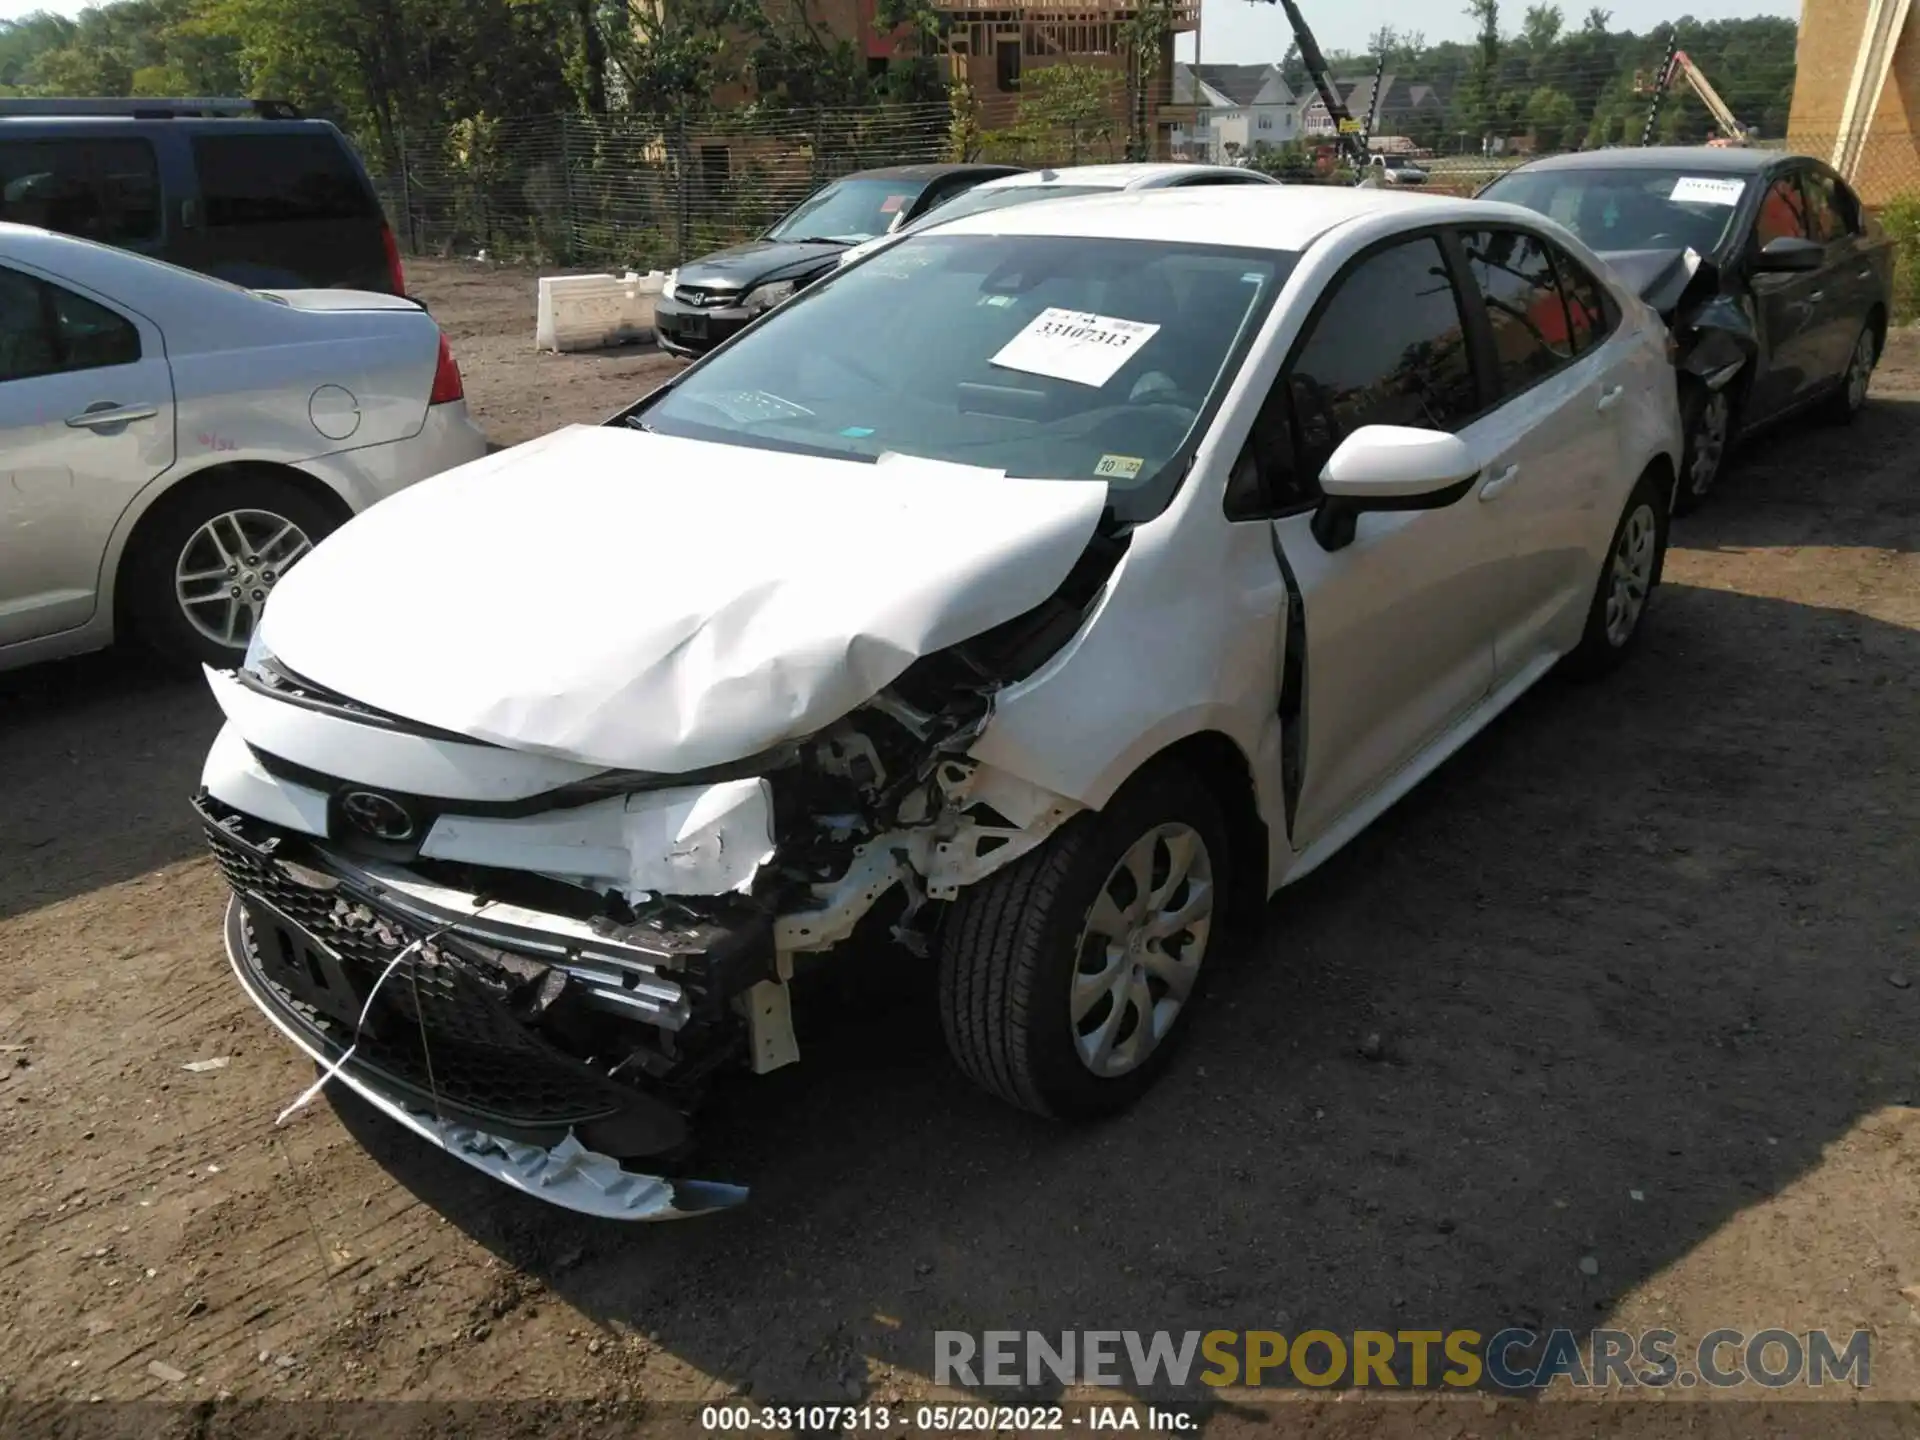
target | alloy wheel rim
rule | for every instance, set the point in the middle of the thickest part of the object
(1710, 443)
(1630, 575)
(1860, 374)
(229, 566)
(1140, 950)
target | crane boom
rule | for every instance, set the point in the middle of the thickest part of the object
(1345, 130)
(1678, 62)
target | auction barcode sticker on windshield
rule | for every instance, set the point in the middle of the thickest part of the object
(1075, 345)
(1701, 190)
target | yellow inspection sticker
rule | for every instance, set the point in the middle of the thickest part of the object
(1118, 467)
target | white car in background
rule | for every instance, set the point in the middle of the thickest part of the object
(1069, 579)
(1058, 184)
(170, 444)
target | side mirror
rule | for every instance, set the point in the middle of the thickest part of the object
(1390, 467)
(1791, 255)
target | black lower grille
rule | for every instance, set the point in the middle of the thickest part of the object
(440, 1032)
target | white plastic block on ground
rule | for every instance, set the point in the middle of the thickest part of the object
(591, 312)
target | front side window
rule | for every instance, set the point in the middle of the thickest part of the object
(1390, 348)
(848, 211)
(1532, 335)
(1783, 213)
(47, 330)
(104, 190)
(1620, 209)
(1048, 357)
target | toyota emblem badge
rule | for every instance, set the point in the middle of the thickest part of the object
(377, 816)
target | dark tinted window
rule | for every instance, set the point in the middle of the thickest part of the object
(1389, 349)
(1784, 212)
(1589, 318)
(1830, 207)
(45, 329)
(105, 190)
(1531, 334)
(272, 179)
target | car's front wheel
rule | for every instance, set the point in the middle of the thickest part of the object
(1067, 978)
(1706, 418)
(206, 560)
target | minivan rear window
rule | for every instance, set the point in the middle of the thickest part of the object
(273, 179)
(104, 190)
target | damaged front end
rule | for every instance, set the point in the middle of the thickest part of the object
(1713, 329)
(544, 968)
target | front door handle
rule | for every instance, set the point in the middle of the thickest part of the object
(1816, 297)
(1611, 399)
(1497, 486)
(105, 414)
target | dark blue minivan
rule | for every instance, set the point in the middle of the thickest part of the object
(246, 190)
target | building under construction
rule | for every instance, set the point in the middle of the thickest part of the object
(1856, 94)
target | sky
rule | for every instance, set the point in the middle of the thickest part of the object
(1247, 31)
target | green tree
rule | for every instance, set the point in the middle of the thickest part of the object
(1070, 106)
(1551, 117)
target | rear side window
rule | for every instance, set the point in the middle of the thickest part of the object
(1532, 334)
(106, 190)
(277, 179)
(1830, 206)
(1388, 349)
(1590, 318)
(46, 330)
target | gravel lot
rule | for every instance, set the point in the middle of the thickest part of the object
(1642, 963)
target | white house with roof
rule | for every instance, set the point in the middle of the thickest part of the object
(1240, 107)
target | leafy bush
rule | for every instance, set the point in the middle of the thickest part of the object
(1902, 219)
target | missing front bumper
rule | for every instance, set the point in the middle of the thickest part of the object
(439, 1049)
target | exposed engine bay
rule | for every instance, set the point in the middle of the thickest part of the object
(548, 984)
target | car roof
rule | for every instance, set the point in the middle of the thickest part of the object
(1262, 217)
(1701, 159)
(1140, 176)
(931, 172)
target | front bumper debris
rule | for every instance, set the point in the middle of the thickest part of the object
(460, 1043)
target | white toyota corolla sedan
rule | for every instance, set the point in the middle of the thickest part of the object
(174, 443)
(1039, 594)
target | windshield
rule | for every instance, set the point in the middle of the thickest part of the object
(975, 202)
(1050, 357)
(1630, 209)
(848, 211)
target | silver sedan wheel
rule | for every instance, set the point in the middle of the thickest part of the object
(1141, 949)
(1860, 372)
(1631, 574)
(1710, 442)
(229, 566)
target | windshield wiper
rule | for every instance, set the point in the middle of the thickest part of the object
(814, 240)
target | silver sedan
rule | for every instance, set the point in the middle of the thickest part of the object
(171, 444)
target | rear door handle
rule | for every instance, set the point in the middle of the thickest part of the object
(1816, 297)
(1611, 399)
(106, 414)
(1497, 486)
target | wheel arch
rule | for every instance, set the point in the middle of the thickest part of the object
(1222, 766)
(167, 493)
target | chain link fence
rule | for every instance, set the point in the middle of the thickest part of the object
(596, 189)
(575, 190)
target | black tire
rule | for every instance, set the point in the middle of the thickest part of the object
(1009, 953)
(1605, 645)
(1709, 420)
(1850, 398)
(148, 604)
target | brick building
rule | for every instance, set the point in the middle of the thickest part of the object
(1856, 95)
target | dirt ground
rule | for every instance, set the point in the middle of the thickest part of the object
(1642, 963)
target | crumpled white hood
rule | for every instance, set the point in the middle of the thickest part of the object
(650, 603)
